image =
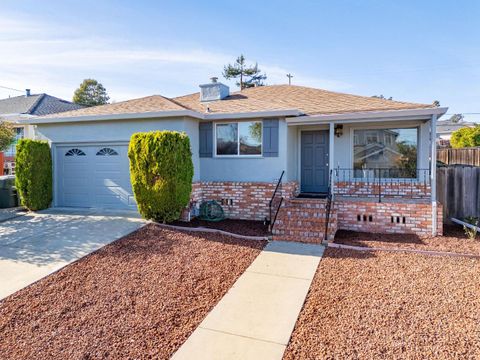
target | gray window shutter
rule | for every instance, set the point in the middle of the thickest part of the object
(270, 137)
(206, 139)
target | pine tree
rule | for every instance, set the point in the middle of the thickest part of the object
(249, 76)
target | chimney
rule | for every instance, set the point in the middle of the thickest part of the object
(214, 90)
(27, 92)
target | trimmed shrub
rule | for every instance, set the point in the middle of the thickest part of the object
(33, 174)
(161, 172)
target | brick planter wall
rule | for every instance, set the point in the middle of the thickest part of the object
(241, 200)
(387, 217)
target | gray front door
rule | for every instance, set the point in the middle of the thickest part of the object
(314, 161)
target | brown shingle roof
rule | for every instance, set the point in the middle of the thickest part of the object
(145, 104)
(309, 101)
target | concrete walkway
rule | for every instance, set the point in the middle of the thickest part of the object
(256, 317)
(36, 244)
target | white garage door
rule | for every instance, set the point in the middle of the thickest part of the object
(94, 176)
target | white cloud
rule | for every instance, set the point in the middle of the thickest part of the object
(47, 58)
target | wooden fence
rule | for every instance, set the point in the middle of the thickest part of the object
(458, 189)
(462, 156)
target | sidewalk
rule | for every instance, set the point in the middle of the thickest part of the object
(255, 319)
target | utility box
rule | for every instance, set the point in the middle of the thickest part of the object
(8, 192)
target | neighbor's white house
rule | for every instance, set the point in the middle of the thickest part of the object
(27, 106)
(340, 161)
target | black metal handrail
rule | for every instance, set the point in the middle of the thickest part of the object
(271, 221)
(383, 182)
(329, 205)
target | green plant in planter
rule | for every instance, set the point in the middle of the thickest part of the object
(471, 233)
(33, 174)
(161, 172)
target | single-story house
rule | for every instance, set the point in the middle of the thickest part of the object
(324, 160)
(26, 106)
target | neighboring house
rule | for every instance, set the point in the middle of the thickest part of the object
(372, 156)
(445, 129)
(25, 106)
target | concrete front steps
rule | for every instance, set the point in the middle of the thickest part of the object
(304, 220)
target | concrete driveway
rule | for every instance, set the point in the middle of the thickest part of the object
(37, 244)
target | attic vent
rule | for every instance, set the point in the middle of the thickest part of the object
(214, 91)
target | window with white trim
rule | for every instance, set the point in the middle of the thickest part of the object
(239, 138)
(12, 149)
(389, 152)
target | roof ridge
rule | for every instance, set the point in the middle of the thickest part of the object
(37, 102)
(338, 93)
(176, 103)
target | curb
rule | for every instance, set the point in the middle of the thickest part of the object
(208, 230)
(423, 252)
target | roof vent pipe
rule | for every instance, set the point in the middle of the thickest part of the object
(27, 92)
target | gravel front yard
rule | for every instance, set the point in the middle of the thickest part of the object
(454, 240)
(139, 297)
(379, 305)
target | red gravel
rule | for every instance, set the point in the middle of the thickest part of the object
(240, 227)
(379, 305)
(454, 240)
(139, 297)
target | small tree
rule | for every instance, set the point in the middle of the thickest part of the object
(249, 76)
(456, 118)
(7, 135)
(33, 174)
(161, 172)
(466, 137)
(90, 93)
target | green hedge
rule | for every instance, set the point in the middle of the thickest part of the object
(33, 174)
(161, 171)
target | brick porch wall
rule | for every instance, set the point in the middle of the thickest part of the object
(393, 189)
(249, 201)
(241, 200)
(387, 216)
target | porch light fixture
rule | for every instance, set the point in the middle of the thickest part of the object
(338, 130)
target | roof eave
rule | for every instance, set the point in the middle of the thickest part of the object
(404, 114)
(162, 114)
(252, 114)
(109, 117)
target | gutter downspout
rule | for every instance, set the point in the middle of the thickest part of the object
(433, 171)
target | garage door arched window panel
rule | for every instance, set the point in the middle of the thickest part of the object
(106, 152)
(75, 152)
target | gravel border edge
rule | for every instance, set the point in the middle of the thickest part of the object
(416, 251)
(208, 230)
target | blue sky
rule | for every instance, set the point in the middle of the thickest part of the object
(411, 50)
